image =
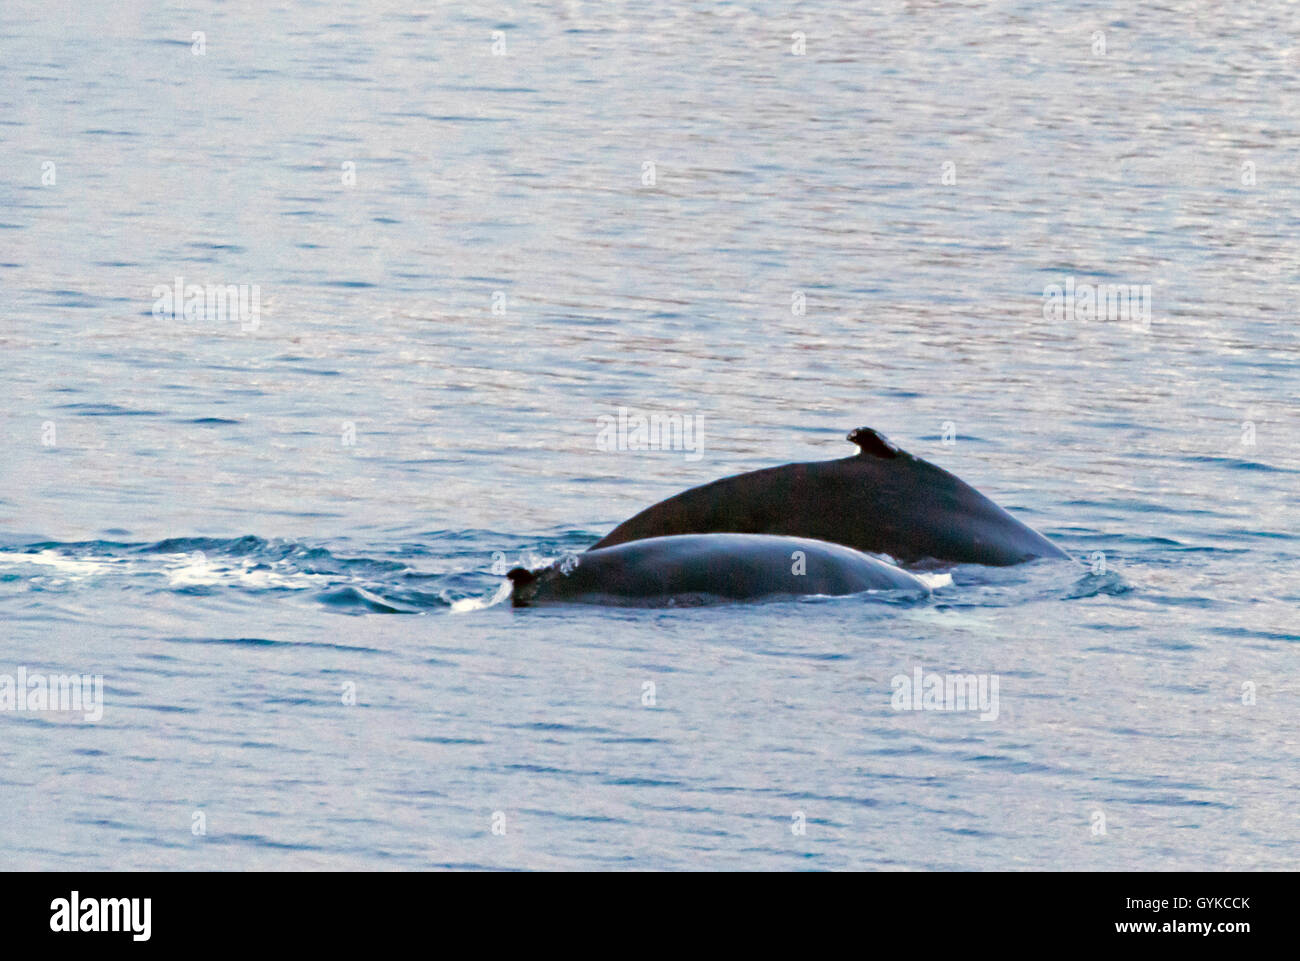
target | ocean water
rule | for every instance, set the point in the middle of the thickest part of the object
(474, 231)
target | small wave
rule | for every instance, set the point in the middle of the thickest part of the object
(1094, 585)
(209, 545)
(466, 604)
(358, 600)
(255, 565)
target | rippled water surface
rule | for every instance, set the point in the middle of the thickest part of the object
(475, 230)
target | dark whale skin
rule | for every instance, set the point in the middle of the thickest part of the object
(707, 568)
(882, 500)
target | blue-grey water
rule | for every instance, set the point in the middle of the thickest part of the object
(477, 229)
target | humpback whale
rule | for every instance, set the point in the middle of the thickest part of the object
(707, 568)
(882, 500)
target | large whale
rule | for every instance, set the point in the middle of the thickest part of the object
(882, 500)
(707, 568)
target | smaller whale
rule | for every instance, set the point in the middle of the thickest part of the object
(691, 569)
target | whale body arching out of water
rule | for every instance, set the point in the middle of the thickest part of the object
(793, 530)
(708, 568)
(883, 500)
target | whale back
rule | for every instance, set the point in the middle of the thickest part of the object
(708, 567)
(882, 500)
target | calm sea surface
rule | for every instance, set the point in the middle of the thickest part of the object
(476, 229)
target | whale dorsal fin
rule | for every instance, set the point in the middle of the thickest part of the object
(872, 443)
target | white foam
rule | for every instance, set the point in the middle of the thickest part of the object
(74, 567)
(196, 570)
(935, 581)
(480, 603)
